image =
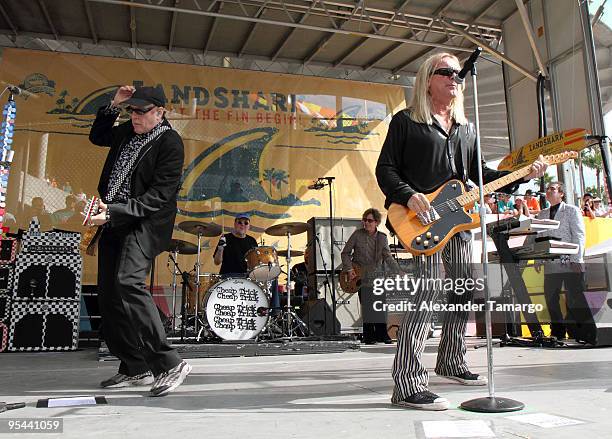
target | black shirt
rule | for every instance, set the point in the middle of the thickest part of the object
(234, 253)
(416, 157)
(553, 211)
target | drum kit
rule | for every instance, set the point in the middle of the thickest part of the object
(235, 308)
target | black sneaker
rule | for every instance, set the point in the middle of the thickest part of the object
(121, 380)
(468, 378)
(166, 382)
(424, 400)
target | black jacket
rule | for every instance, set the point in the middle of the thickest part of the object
(151, 209)
(416, 157)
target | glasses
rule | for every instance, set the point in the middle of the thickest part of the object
(138, 111)
(368, 220)
(242, 222)
(552, 188)
(449, 72)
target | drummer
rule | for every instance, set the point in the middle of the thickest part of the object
(233, 247)
(231, 252)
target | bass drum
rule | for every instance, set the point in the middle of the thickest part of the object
(232, 309)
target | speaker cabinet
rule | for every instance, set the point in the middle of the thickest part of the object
(8, 250)
(318, 316)
(40, 276)
(44, 326)
(319, 234)
(348, 306)
(6, 279)
(5, 307)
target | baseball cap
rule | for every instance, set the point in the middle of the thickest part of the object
(243, 215)
(144, 96)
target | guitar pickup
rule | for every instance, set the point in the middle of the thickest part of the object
(428, 217)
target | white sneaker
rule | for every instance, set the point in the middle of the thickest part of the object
(121, 380)
(166, 382)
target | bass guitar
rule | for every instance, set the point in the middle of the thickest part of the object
(426, 233)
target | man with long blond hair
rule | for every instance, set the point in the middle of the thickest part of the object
(428, 144)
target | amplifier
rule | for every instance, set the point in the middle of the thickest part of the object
(8, 250)
(35, 241)
(348, 306)
(44, 326)
(5, 307)
(319, 234)
(6, 279)
(40, 276)
(3, 337)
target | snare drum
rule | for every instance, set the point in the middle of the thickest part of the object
(207, 280)
(232, 309)
(262, 263)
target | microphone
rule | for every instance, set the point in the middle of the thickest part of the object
(467, 67)
(316, 186)
(14, 89)
(594, 137)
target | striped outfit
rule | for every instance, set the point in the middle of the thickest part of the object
(409, 374)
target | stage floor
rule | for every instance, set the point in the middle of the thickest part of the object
(336, 395)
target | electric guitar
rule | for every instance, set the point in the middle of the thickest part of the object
(426, 233)
(351, 286)
(89, 235)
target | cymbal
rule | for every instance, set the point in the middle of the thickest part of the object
(294, 228)
(182, 247)
(283, 253)
(200, 228)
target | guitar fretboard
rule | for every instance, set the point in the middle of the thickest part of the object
(474, 195)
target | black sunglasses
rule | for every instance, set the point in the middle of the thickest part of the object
(368, 220)
(446, 71)
(243, 222)
(138, 111)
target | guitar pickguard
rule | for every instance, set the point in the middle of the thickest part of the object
(451, 216)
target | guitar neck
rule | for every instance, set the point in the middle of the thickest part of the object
(474, 195)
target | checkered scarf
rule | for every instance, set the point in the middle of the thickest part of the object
(119, 183)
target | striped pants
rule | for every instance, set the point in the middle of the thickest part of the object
(409, 374)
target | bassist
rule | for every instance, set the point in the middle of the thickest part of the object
(426, 145)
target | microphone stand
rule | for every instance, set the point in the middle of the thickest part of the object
(492, 403)
(331, 251)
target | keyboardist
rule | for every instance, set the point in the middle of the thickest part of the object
(566, 271)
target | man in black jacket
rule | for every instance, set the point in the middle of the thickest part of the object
(427, 145)
(138, 189)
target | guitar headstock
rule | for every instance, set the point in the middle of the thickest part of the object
(91, 208)
(555, 159)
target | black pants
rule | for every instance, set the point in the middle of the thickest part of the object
(579, 320)
(374, 323)
(132, 326)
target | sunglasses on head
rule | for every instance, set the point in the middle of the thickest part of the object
(449, 72)
(139, 111)
(243, 222)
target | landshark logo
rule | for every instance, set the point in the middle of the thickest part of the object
(229, 172)
(344, 127)
(38, 83)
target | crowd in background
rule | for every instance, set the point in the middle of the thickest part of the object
(529, 205)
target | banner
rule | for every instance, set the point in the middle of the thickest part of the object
(253, 141)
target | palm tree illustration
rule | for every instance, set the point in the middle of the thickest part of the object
(281, 178)
(62, 100)
(269, 176)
